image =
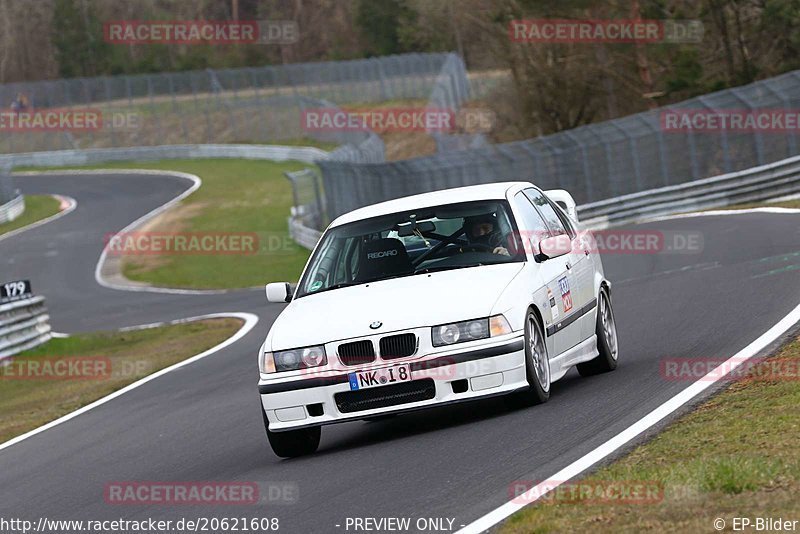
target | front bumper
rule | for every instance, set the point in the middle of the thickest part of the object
(489, 369)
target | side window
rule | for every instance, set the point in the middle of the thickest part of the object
(548, 212)
(345, 263)
(565, 219)
(535, 228)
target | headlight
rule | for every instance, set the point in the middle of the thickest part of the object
(448, 334)
(292, 360)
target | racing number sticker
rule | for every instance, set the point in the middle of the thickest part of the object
(566, 294)
(553, 307)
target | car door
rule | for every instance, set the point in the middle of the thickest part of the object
(573, 287)
(553, 272)
(584, 269)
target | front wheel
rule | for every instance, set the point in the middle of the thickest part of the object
(292, 443)
(537, 365)
(607, 345)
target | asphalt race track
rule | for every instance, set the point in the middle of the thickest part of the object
(202, 422)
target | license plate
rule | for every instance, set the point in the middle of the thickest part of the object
(379, 377)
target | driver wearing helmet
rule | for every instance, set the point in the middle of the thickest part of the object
(482, 230)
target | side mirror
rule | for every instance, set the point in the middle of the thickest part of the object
(553, 247)
(564, 201)
(279, 292)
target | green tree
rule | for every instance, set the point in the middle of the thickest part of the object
(78, 39)
(379, 22)
(781, 20)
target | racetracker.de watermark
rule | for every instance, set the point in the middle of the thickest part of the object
(182, 243)
(51, 120)
(730, 120)
(194, 32)
(67, 120)
(71, 368)
(400, 119)
(200, 493)
(587, 492)
(615, 241)
(386, 119)
(605, 31)
(739, 369)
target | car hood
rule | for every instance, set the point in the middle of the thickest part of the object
(399, 303)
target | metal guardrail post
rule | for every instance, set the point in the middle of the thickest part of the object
(321, 220)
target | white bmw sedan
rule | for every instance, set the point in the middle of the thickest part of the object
(432, 299)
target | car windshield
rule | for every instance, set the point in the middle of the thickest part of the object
(450, 236)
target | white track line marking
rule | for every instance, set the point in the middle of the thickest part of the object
(648, 421)
(250, 321)
(67, 205)
(716, 213)
(196, 182)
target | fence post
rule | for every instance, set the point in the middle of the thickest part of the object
(634, 153)
(758, 140)
(693, 155)
(791, 136)
(726, 153)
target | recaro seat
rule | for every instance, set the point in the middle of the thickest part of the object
(382, 258)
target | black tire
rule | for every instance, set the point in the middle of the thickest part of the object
(537, 365)
(293, 443)
(607, 340)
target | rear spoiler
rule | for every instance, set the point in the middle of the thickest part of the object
(564, 200)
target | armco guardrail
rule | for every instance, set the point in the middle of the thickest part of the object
(12, 209)
(59, 158)
(24, 324)
(307, 214)
(304, 235)
(751, 185)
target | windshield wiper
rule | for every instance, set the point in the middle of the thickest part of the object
(358, 283)
(435, 268)
(382, 278)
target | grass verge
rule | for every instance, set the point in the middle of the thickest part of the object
(34, 392)
(734, 456)
(237, 197)
(37, 207)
